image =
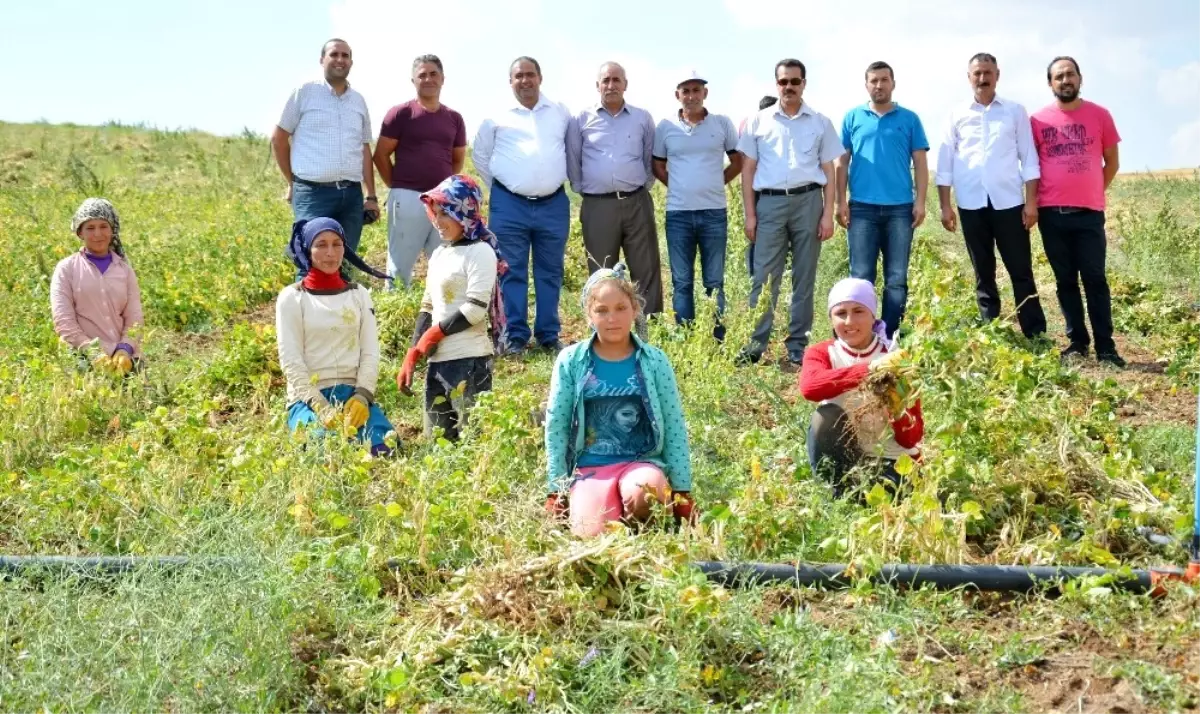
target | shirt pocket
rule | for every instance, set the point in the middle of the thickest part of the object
(807, 141)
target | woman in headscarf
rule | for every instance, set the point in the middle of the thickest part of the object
(615, 435)
(94, 295)
(461, 301)
(849, 428)
(328, 340)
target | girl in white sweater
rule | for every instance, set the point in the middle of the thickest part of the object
(328, 342)
(461, 299)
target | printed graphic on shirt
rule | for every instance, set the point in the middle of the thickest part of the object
(1068, 145)
(617, 427)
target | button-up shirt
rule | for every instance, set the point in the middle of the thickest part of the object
(607, 152)
(89, 305)
(524, 149)
(328, 132)
(987, 152)
(695, 156)
(789, 149)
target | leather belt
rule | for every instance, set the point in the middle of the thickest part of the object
(794, 191)
(616, 194)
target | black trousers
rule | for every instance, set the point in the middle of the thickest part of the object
(1075, 245)
(987, 230)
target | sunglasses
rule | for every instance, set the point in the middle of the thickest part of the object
(794, 81)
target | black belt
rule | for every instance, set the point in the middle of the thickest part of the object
(531, 199)
(616, 194)
(326, 184)
(1064, 209)
(794, 191)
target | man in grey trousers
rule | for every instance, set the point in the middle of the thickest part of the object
(609, 147)
(789, 151)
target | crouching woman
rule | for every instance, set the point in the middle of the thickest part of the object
(851, 427)
(328, 340)
(615, 434)
(94, 296)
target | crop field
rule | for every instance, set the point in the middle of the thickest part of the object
(489, 606)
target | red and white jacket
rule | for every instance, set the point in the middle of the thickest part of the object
(831, 372)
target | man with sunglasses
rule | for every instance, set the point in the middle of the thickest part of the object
(789, 151)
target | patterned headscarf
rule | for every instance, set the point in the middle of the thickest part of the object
(617, 272)
(460, 197)
(305, 231)
(102, 209)
(862, 292)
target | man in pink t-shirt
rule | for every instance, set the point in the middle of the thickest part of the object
(428, 141)
(1077, 149)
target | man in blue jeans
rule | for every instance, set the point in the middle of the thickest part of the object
(689, 158)
(520, 153)
(322, 144)
(883, 140)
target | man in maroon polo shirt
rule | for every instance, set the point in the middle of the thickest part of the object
(428, 141)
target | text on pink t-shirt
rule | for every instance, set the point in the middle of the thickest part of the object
(1070, 146)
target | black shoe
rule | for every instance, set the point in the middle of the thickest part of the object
(796, 357)
(1112, 358)
(1073, 350)
(746, 357)
(554, 346)
(513, 349)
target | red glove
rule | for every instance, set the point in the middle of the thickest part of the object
(404, 378)
(684, 508)
(556, 505)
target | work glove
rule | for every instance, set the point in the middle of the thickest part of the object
(684, 508)
(356, 411)
(404, 378)
(556, 505)
(888, 361)
(121, 362)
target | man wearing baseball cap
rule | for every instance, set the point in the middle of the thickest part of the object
(689, 158)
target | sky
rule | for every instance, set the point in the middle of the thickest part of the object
(223, 66)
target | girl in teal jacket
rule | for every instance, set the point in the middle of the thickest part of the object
(615, 435)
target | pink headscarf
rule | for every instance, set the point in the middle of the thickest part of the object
(862, 292)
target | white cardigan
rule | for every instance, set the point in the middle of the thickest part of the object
(325, 340)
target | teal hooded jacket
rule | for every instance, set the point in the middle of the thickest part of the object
(565, 432)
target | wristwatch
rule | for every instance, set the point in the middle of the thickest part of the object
(372, 198)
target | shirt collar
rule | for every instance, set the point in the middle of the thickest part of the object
(333, 91)
(684, 121)
(777, 108)
(541, 102)
(995, 100)
(623, 110)
(866, 107)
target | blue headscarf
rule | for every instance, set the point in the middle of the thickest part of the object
(305, 231)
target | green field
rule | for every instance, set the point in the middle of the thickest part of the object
(493, 608)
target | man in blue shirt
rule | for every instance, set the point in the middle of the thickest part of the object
(883, 140)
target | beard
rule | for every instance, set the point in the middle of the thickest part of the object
(1067, 94)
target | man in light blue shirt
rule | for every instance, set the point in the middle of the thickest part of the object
(788, 151)
(884, 140)
(608, 163)
(689, 158)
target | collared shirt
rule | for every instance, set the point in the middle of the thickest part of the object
(881, 149)
(524, 149)
(607, 152)
(987, 152)
(695, 156)
(328, 132)
(789, 149)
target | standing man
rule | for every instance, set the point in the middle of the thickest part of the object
(789, 151)
(609, 146)
(766, 101)
(323, 147)
(987, 153)
(883, 142)
(1077, 147)
(689, 158)
(429, 142)
(521, 155)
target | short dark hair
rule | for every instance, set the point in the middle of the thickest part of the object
(330, 42)
(1059, 59)
(876, 66)
(525, 58)
(791, 63)
(767, 102)
(983, 57)
(428, 59)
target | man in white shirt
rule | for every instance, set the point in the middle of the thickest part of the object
(322, 144)
(521, 156)
(788, 198)
(987, 154)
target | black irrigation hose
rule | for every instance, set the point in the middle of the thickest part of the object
(995, 578)
(103, 564)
